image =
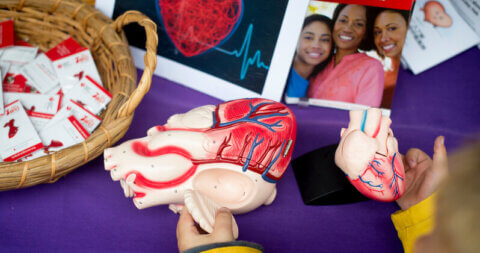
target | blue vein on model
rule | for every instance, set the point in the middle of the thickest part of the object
(369, 183)
(379, 173)
(395, 175)
(250, 154)
(264, 175)
(254, 120)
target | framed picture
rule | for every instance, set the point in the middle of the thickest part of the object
(227, 49)
(348, 54)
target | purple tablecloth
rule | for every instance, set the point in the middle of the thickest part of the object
(86, 211)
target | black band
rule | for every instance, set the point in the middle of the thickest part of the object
(321, 182)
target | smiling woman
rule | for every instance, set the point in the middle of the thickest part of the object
(389, 32)
(314, 51)
(351, 76)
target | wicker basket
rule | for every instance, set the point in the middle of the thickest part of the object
(46, 23)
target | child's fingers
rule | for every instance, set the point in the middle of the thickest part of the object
(371, 122)
(355, 120)
(413, 156)
(223, 230)
(440, 160)
(185, 224)
(388, 143)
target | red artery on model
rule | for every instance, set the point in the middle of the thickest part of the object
(255, 134)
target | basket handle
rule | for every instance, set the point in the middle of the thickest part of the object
(150, 58)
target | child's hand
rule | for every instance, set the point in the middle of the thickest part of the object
(422, 174)
(189, 237)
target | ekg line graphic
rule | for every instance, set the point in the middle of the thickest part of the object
(247, 61)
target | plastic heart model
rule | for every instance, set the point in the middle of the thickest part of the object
(368, 154)
(233, 153)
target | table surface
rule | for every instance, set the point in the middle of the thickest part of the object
(87, 211)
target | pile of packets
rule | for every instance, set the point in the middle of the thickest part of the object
(48, 100)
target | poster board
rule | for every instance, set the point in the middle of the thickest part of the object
(248, 57)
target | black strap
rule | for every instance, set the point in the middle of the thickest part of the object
(321, 182)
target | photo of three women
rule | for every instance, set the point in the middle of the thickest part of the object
(331, 60)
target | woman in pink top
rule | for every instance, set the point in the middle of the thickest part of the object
(351, 76)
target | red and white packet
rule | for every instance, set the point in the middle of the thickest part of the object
(18, 137)
(19, 54)
(63, 134)
(41, 73)
(39, 107)
(88, 120)
(1, 95)
(15, 80)
(7, 34)
(89, 94)
(7, 38)
(37, 103)
(4, 66)
(72, 62)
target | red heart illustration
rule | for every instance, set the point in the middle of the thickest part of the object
(197, 26)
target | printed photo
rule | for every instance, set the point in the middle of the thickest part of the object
(348, 55)
(228, 49)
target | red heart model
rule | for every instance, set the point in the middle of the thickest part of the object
(197, 26)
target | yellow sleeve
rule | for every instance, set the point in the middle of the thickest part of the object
(234, 249)
(414, 222)
(228, 247)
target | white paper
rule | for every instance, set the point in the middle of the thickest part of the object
(47, 104)
(12, 84)
(469, 10)
(39, 123)
(41, 73)
(19, 54)
(17, 134)
(63, 134)
(331, 104)
(89, 95)
(427, 45)
(5, 66)
(1, 93)
(88, 120)
(71, 69)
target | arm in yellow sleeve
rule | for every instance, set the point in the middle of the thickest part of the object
(228, 247)
(414, 222)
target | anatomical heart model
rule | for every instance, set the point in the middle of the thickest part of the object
(227, 155)
(368, 154)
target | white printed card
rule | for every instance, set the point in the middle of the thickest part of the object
(18, 137)
(88, 120)
(89, 94)
(72, 62)
(63, 134)
(41, 73)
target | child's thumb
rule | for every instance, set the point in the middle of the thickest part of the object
(223, 227)
(440, 160)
